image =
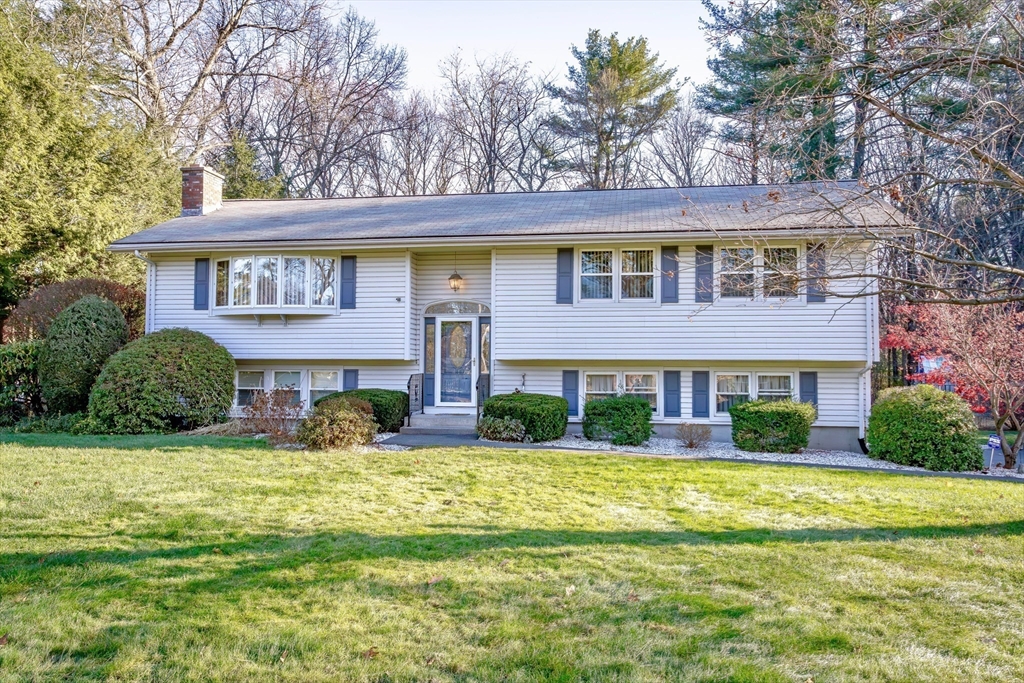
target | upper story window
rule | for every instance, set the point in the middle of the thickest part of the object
(759, 273)
(623, 274)
(275, 281)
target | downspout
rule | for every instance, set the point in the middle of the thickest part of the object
(150, 287)
(864, 386)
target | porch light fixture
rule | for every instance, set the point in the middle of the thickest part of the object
(455, 280)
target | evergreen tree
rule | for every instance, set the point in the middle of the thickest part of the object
(242, 178)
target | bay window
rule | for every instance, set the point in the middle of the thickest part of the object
(275, 281)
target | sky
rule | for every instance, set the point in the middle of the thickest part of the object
(534, 31)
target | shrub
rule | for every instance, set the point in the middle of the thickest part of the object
(275, 414)
(501, 429)
(20, 393)
(32, 317)
(693, 435)
(923, 426)
(78, 343)
(172, 380)
(625, 420)
(544, 417)
(51, 424)
(341, 422)
(390, 408)
(772, 426)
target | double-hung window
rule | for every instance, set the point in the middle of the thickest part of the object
(601, 385)
(737, 279)
(730, 389)
(774, 387)
(322, 383)
(617, 274)
(643, 385)
(762, 273)
(275, 281)
(780, 272)
(249, 384)
(290, 382)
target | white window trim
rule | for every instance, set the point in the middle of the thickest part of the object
(759, 272)
(280, 305)
(779, 373)
(304, 381)
(620, 385)
(713, 398)
(616, 275)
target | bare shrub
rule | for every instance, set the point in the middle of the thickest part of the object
(274, 413)
(694, 435)
(338, 423)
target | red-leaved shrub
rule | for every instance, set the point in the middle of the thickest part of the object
(32, 317)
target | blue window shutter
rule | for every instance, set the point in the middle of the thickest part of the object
(571, 390)
(815, 270)
(348, 281)
(428, 377)
(201, 290)
(701, 393)
(670, 275)
(673, 393)
(350, 380)
(809, 388)
(563, 293)
(705, 272)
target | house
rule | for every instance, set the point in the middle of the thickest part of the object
(681, 296)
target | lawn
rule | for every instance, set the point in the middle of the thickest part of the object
(171, 559)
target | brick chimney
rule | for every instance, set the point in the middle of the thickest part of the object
(201, 190)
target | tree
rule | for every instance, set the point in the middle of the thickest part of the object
(242, 177)
(618, 95)
(980, 353)
(681, 153)
(73, 177)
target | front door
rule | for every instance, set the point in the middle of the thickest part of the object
(457, 362)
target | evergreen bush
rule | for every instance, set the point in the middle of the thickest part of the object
(80, 340)
(20, 393)
(337, 422)
(390, 407)
(772, 426)
(501, 429)
(624, 420)
(172, 380)
(923, 426)
(544, 417)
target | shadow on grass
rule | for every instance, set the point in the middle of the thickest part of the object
(142, 442)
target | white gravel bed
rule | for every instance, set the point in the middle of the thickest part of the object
(384, 436)
(674, 448)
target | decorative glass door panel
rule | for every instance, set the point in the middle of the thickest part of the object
(456, 361)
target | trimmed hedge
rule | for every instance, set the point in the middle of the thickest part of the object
(337, 422)
(390, 407)
(625, 420)
(501, 429)
(544, 417)
(172, 380)
(772, 426)
(20, 393)
(923, 426)
(78, 342)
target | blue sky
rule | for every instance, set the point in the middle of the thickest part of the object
(534, 31)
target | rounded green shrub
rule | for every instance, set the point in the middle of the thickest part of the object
(171, 380)
(338, 422)
(20, 393)
(501, 429)
(78, 342)
(390, 407)
(624, 420)
(923, 426)
(772, 426)
(544, 417)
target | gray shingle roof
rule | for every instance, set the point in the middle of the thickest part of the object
(698, 210)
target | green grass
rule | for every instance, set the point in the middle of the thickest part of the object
(155, 559)
(983, 435)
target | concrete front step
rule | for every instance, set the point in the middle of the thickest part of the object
(441, 424)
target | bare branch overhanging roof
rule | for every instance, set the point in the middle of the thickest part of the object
(696, 211)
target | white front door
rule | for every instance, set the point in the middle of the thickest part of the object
(456, 350)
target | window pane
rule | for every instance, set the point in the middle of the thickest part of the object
(223, 282)
(645, 386)
(485, 348)
(596, 287)
(637, 286)
(242, 282)
(266, 281)
(428, 352)
(595, 262)
(780, 272)
(774, 387)
(323, 282)
(737, 278)
(289, 381)
(248, 384)
(322, 383)
(638, 261)
(731, 389)
(294, 282)
(601, 386)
